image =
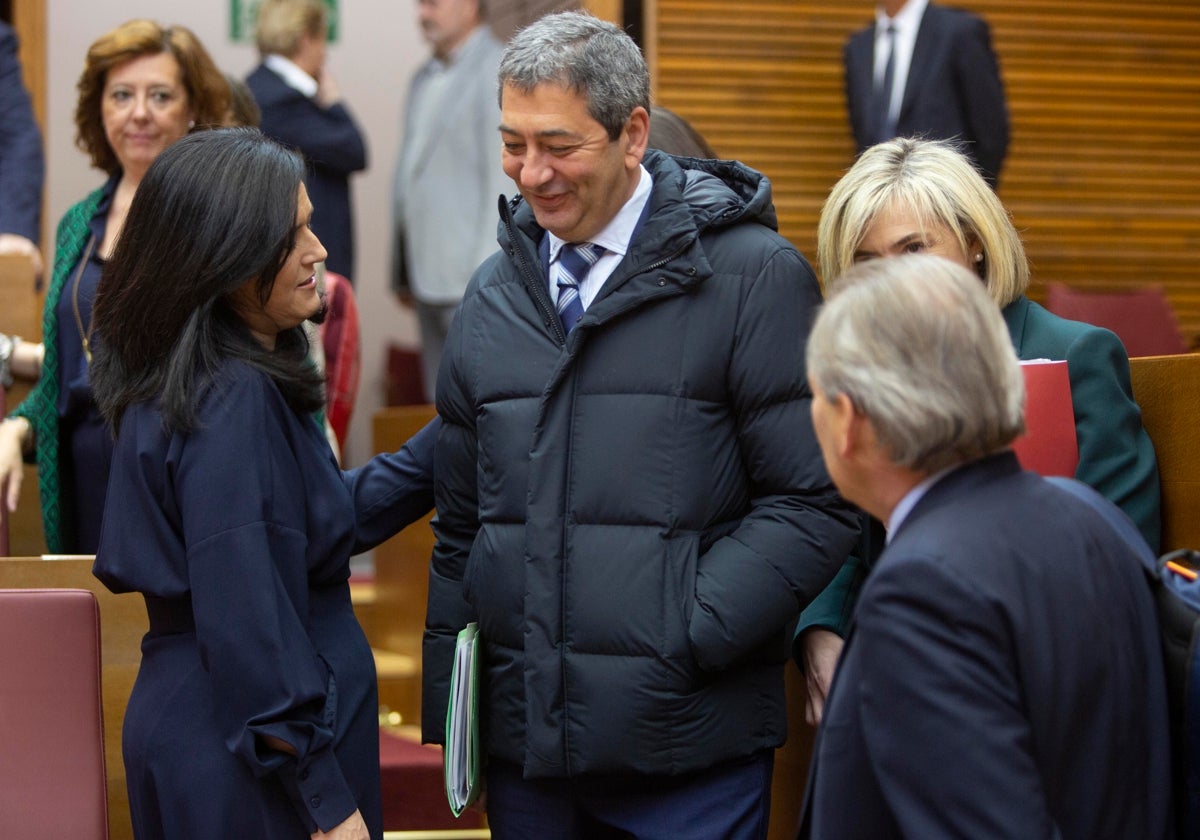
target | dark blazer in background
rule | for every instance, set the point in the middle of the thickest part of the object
(22, 165)
(954, 90)
(333, 148)
(1002, 676)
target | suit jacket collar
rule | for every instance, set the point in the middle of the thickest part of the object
(928, 37)
(958, 482)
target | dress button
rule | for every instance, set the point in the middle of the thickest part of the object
(315, 802)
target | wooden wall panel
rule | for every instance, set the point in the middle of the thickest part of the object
(1103, 173)
(29, 21)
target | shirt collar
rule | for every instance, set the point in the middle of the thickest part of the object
(906, 505)
(291, 74)
(908, 18)
(616, 235)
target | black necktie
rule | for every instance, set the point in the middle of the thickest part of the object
(885, 129)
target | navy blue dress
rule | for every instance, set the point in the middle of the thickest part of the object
(85, 449)
(239, 536)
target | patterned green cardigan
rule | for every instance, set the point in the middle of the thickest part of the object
(40, 408)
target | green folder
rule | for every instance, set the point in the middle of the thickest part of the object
(461, 759)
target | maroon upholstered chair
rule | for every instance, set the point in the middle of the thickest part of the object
(1142, 318)
(52, 779)
(3, 491)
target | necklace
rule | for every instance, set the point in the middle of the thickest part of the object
(85, 336)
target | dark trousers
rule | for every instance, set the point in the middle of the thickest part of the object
(729, 801)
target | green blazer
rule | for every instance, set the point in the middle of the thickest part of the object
(1116, 456)
(40, 408)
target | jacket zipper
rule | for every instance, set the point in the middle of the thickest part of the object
(540, 295)
(542, 298)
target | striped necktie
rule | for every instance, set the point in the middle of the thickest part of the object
(574, 262)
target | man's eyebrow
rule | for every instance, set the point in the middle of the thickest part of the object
(549, 132)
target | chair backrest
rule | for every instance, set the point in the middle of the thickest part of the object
(405, 381)
(1166, 387)
(20, 314)
(3, 492)
(1142, 318)
(22, 310)
(52, 779)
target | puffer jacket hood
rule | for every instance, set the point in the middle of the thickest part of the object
(717, 193)
(723, 192)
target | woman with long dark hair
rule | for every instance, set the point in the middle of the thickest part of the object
(254, 713)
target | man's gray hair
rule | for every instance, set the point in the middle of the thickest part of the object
(584, 54)
(921, 350)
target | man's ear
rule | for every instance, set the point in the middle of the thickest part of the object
(847, 425)
(636, 136)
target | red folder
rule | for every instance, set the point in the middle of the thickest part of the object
(1048, 446)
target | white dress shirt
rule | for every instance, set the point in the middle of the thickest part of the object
(907, 21)
(614, 238)
(291, 74)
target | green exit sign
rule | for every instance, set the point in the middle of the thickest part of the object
(244, 13)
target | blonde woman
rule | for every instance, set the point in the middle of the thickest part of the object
(910, 196)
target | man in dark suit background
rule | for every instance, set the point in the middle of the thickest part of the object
(1002, 675)
(301, 107)
(945, 81)
(22, 165)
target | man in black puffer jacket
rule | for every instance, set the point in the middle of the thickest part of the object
(633, 506)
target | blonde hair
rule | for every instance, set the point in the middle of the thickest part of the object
(281, 23)
(942, 187)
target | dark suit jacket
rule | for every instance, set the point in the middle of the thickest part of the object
(1116, 456)
(332, 145)
(22, 164)
(954, 90)
(1002, 676)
